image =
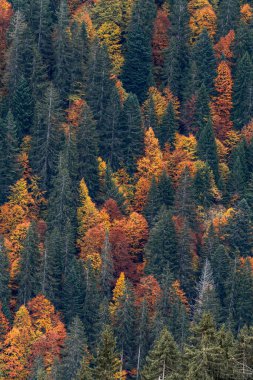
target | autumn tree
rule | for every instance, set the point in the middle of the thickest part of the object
(222, 102)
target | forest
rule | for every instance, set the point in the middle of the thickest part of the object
(126, 189)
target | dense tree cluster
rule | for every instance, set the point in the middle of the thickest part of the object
(126, 189)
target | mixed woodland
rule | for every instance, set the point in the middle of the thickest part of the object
(126, 189)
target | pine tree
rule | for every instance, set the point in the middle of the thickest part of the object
(137, 70)
(168, 127)
(131, 133)
(74, 352)
(163, 360)
(243, 90)
(29, 264)
(107, 362)
(207, 149)
(87, 147)
(161, 249)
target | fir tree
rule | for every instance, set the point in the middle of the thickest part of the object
(4, 280)
(228, 16)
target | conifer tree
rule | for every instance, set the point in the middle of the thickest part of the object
(242, 96)
(29, 265)
(131, 133)
(168, 127)
(107, 362)
(203, 55)
(204, 185)
(4, 280)
(62, 52)
(202, 114)
(46, 137)
(207, 149)
(228, 16)
(74, 352)
(184, 198)
(166, 190)
(161, 249)
(137, 70)
(8, 154)
(87, 147)
(153, 203)
(163, 359)
(109, 135)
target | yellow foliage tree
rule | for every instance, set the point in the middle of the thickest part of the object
(118, 293)
(202, 16)
(15, 356)
(110, 34)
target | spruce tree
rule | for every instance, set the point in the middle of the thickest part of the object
(109, 135)
(228, 16)
(107, 362)
(166, 190)
(74, 352)
(204, 185)
(153, 203)
(87, 147)
(137, 70)
(29, 266)
(203, 55)
(243, 91)
(161, 249)
(207, 149)
(163, 360)
(185, 198)
(4, 280)
(46, 137)
(131, 133)
(202, 113)
(168, 127)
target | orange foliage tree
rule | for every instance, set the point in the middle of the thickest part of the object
(160, 38)
(5, 16)
(4, 326)
(148, 290)
(223, 48)
(246, 13)
(222, 104)
(49, 329)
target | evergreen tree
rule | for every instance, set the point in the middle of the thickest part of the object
(137, 70)
(107, 362)
(228, 16)
(74, 352)
(202, 114)
(62, 52)
(166, 190)
(110, 189)
(184, 198)
(153, 203)
(87, 147)
(207, 301)
(163, 360)
(131, 133)
(23, 107)
(46, 137)
(8, 155)
(29, 265)
(4, 280)
(203, 55)
(161, 249)
(207, 149)
(168, 127)
(110, 137)
(243, 91)
(100, 83)
(204, 185)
